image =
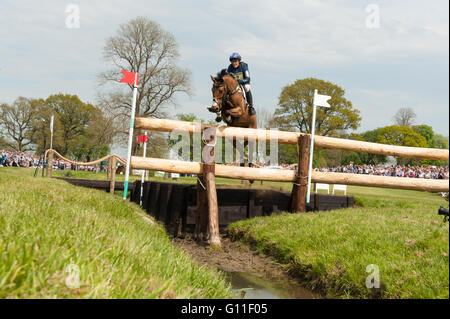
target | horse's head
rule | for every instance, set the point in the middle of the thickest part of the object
(218, 92)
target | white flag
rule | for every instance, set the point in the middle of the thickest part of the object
(321, 100)
(51, 124)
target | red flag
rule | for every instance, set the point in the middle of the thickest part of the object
(142, 138)
(129, 77)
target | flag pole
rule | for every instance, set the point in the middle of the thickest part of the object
(130, 137)
(51, 132)
(311, 149)
(143, 173)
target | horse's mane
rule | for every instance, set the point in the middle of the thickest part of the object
(221, 74)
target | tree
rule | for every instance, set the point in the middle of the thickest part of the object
(405, 116)
(402, 136)
(440, 141)
(73, 117)
(40, 128)
(96, 139)
(294, 111)
(142, 46)
(264, 118)
(427, 132)
(16, 121)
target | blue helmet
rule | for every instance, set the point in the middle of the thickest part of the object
(235, 55)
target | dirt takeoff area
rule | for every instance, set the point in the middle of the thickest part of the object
(237, 257)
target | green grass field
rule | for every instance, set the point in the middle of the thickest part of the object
(398, 231)
(62, 241)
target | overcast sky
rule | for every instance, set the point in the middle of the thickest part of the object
(402, 63)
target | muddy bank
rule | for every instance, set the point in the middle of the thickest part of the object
(246, 268)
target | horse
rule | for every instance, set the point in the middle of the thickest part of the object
(229, 102)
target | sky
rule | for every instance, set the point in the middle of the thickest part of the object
(385, 54)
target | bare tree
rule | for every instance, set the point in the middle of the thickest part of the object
(17, 120)
(142, 46)
(264, 117)
(405, 116)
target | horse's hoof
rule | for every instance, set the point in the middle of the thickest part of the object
(218, 119)
(242, 164)
(210, 109)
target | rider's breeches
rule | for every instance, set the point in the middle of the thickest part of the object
(248, 94)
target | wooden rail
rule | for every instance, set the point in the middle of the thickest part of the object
(112, 158)
(278, 175)
(283, 137)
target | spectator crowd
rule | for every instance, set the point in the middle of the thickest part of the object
(430, 172)
(21, 159)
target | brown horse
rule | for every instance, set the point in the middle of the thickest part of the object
(229, 102)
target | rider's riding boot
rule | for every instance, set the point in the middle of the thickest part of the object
(251, 110)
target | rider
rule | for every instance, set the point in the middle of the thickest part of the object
(239, 70)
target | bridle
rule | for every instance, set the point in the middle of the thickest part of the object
(226, 95)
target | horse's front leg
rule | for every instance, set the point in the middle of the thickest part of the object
(235, 112)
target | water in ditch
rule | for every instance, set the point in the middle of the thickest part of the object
(252, 286)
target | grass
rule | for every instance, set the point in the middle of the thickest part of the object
(397, 230)
(51, 229)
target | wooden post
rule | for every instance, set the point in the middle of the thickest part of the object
(208, 158)
(299, 189)
(109, 169)
(112, 181)
(50, 164)
(201, 219)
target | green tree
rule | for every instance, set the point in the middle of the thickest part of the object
(96, 140)
(401, 136)
(441, 141)
(287, 154)
(40, 132)
(73, 118)
(427, 132)
(16, 121)
(367, 158)
(295, 106)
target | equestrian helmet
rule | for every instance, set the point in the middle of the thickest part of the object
(235, 55)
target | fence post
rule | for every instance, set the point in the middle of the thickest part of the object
(112, 181)
(108, 167)
(299, 189)
(202, 210)
(49, 164)
(208, 158)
